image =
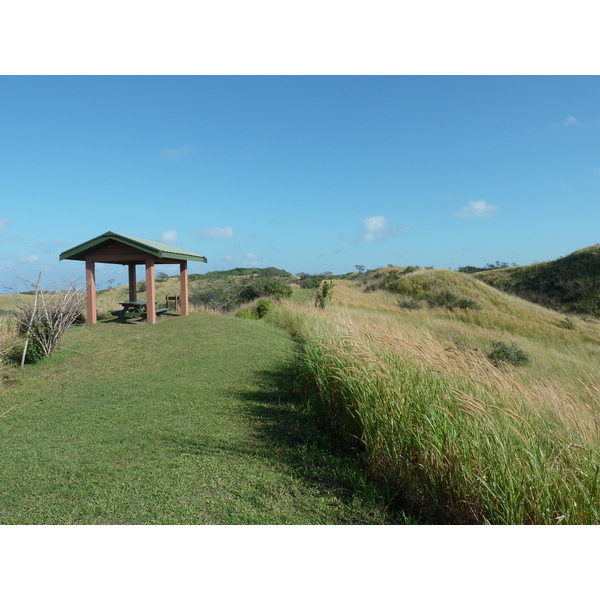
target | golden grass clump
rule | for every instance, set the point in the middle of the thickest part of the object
(462, 440)
(9, 338)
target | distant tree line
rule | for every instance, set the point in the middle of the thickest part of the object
(240, 272)
(488, 267)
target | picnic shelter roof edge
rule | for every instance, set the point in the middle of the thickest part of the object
(158, 249)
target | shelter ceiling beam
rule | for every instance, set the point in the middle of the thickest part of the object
(132, 259)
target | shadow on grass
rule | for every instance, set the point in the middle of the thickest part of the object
(281, 415)
(132, 321)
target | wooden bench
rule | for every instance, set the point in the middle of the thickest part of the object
(133, 310)
(126, 313)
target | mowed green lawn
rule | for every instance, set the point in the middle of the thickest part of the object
(183, 422)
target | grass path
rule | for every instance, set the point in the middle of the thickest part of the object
(185, 422)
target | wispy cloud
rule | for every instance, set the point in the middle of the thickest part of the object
(51, 247)
(169, 237)
(215, 232)
(477, 209)
(4, 223)
(568, 122)
(577, 122)
(251, 259)
(174, 154)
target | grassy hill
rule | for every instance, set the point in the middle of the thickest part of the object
(472, 405)
(461, 402)
(569, 284)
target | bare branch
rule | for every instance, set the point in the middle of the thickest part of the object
(52, 312)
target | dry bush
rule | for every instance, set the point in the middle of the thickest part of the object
(44, 317)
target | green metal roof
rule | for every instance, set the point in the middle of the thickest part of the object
(156, 248)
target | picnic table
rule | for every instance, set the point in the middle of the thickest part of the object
(134, 309)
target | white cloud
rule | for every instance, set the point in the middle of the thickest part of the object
(29, 259)
(376, 228)
(575, 122)
(169, 237)
(174, 154)
(51, 246)
(3, 224)
(215, 232)
(568, 122)
(477, 209)
(251, 259)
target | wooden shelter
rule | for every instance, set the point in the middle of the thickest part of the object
(115, 248)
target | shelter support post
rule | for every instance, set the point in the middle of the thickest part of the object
(132, 284)
(183, 278)
(150, 292)
(90, 288)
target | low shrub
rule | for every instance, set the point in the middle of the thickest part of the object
(449, 300)
(263, 306)
(409, 303)
(247, 313)
(503, 353)
(35, 351)
(567, 324)
(256, 310)
(467, 303)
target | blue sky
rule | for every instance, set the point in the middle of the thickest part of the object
(303, 173)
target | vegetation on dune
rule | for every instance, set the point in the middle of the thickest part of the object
(241, 272)
(462, 403)
(220, 291)
(227, 291)
(470, 416)
(569, 284)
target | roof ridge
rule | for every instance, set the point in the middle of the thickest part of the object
(153, 246)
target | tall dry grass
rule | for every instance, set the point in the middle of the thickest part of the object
(459, 439)
(9, 339)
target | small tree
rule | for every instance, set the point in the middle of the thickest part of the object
(323, 295)
(44, 320)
